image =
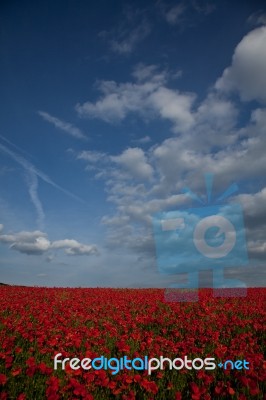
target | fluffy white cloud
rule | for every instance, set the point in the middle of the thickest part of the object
(118, 100)
(216, 113)
(209, 140)
(247, 72)
(147, 97)
(22, 236)
(254, 204)
(238, 153)
(39, 246)
(134, 161)
(174, 106)
(182, 161)
(63, 125)
(258, 117)
(37, 243)
(73, 247)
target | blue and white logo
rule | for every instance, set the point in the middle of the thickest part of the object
(211, 236)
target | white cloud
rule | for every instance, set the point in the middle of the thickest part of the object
(1, 227)
(73, 247)
(34, 242)
(247, 75)
(214, 126)
(142, 140)
(258, 117)
(141, 210)
(62, 125)
(254, 204)
(147, 97)
(217, 112)
(174, 106)
(210, 139)
(22, 236)
(82, 250)
(39, 246)
(182, 161)
(135, 163)
(37, 243)
(91, 156)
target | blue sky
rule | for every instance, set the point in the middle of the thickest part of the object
(109, 109)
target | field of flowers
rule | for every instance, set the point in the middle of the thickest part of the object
(37, 323)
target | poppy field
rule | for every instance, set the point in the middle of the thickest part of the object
(38, 323)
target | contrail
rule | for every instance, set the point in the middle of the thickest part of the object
(63, 125)
(29, 167)
(32, 182)
(15, 146)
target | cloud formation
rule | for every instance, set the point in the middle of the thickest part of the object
(247, 75)
(148, 97)
(134, 162)
(37, 243)
(128, 39)
(131, 31)
(209, 139)
(63, 126)
(257, 18)
(185, 14)
(142, 140)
